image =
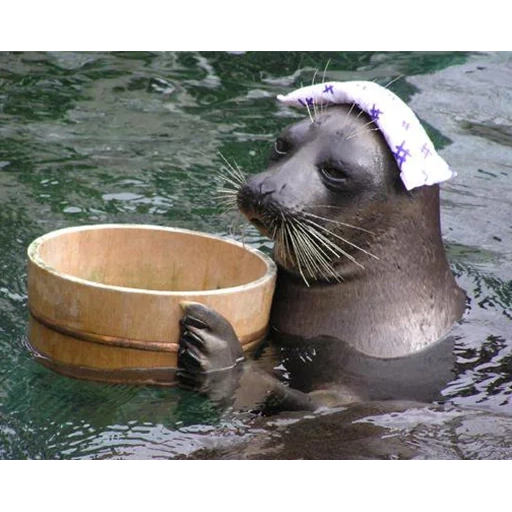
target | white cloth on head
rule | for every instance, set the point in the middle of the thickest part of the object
(412, 148)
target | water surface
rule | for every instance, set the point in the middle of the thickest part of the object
(135, 138)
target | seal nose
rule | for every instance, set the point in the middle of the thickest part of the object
(263, 189)
(266, 191)
(257, 198)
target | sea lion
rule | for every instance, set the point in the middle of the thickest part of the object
(363, 279)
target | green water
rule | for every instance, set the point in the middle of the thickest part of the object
(136, 137)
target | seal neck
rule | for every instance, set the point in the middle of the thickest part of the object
(397, 305)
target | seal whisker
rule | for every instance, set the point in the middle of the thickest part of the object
(242, 235)
(320, 258)
(328, 270)
(227, 175)
(310, 115)
(311, 118)
(228, 179)
(232, 182)
(286, 238)
(332, 246)
(318, 112)
(234, 171)
(226, 192)
(360, 132)
(234, 228)
(393, 81)
(362, 129)
(298, 254)
(317, 260)
(337, 251)
(349, 243)
(317, 267)
(338, 222)
(302, 254)
(223, 191)
(322, 106)
(309, 254)
(226, 208)
(275, 231)
(319, 205)
(295, 252)
(228, 211)
(349, 115)
(342, 239)
(325, 70)
(353, 119)
(279, 247)
(325, 242)
(242, 178)
(227, 203)
(232, 179)
(314, 76)
(280, 244)
(226, 199)
(314, 102)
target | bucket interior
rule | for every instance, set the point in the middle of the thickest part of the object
(151, 259)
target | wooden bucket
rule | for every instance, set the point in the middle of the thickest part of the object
(104, 299)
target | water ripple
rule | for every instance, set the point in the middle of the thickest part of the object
(134, 138)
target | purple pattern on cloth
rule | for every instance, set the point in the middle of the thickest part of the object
(307, 102)
(375, 113)
(412, 148)
(426, 150)
(401, 154)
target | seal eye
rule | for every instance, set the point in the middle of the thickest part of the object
(281, 148)
(333, 176)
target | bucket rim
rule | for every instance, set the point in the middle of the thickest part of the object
(33, 256)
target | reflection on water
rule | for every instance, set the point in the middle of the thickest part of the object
(135, 138)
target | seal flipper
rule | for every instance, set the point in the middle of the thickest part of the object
(207, 339)
(211, 362)
(209, 353)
